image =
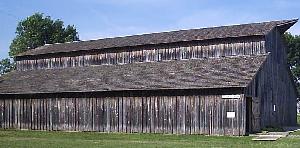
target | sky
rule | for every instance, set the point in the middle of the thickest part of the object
(96, 19)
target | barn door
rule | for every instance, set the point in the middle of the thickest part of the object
(252, 114)
(249, 115)
(255, 114)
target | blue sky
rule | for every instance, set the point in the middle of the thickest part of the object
(109, 18)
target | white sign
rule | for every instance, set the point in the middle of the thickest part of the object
(231, 96)
(230, 114)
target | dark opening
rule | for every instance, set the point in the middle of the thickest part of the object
(248, 115)
(129, 93)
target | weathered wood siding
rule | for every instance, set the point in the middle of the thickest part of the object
(163, 114)
(180, 51)
(273, 85)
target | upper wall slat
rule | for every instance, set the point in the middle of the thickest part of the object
(184, 51)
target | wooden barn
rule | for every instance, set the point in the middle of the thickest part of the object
(228, 80)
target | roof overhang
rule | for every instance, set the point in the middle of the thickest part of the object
(285, 25)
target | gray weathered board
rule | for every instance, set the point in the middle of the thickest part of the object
(166, 114)
(160, 53)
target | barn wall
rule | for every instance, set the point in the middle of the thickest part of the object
(160, 114)
(233, 47)
(274, 85)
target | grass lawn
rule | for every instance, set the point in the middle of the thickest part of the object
(296, 133)
(10, 138)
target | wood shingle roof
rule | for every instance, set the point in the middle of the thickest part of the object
(253, 29)
(182, 74)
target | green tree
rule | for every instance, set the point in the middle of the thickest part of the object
(6, 66)
(293, 52)
(38, 30)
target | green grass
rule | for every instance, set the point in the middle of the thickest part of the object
(295, 133)
(272, 129)
(11, 138)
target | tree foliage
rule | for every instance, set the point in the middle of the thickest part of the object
(38, 30)
(293, 52)
(6, 66)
